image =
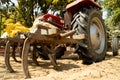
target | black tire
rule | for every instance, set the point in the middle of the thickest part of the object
(94, 46)
(115, 46)
(59, 52)
(34, 56)
(43, 53)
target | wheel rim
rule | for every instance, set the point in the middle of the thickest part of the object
(97, 35)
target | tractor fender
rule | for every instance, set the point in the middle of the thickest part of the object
(55, 20)
(80, 4)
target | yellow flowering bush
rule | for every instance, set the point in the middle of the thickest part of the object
(13, 29)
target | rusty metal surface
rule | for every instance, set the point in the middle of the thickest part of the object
(41, 34)
(57, 38)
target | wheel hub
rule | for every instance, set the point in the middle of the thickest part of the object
(97, 35)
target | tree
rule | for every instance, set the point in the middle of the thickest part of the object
(113, 9)
(113, 15)
(4, 9)
(26, 8)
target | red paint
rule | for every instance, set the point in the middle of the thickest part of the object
(79, 4)
(59, 22)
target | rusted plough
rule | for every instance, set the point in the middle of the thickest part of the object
(12, 43)
(10, 50)
(52, 40)
(43, 34)
(3, 43)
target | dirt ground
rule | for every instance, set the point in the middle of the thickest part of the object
(70, 69)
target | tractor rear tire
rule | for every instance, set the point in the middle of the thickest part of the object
(115, 45)
(93, 47)
(59, 52)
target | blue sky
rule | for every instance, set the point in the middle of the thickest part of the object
(104, 14)
(15, 1)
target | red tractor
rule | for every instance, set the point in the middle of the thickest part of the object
(81, 17)
(85, 17)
